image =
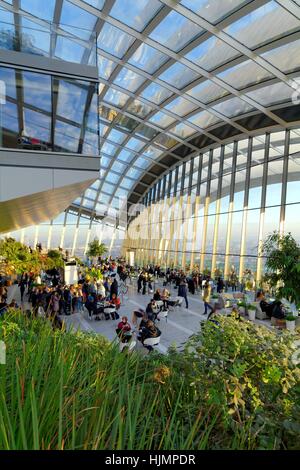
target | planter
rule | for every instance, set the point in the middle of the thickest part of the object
(251, 314)
(290, 325)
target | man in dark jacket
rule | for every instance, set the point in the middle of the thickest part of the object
(114, 288)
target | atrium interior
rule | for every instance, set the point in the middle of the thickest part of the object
(158, 139)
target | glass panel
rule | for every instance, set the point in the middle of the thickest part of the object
(71, 100)
(66, 137)
(126, 156)
(37, 90)
(40, 9)
(273, 94)
(82, 22)
(109, 149)
(179, 75)
(245, 74)
(116, 136)
(119, 167)
(148, 59)
(106, 67)
(152, 152)
(114, 41)
(156, 93)
(207, 92)
(182, 130)
(175, 31)
(129, 80)
(267, 23)
(68, 50)
(181, 106)
(139, 108)
(214, 11)
(212, 53)
(135, 14)
(161, 119)
(127, 183)
(286, 58)
(135, 144)
(233, 107)
(204, 119)
(146, 132)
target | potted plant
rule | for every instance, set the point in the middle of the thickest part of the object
(242, 306)
(290, 321)
(251, 311)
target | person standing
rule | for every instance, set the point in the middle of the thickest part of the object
(206, 297)
(22, 286)
(114, 288)
(182, 290)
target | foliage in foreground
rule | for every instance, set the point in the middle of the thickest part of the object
(233, 387)
(283, 266)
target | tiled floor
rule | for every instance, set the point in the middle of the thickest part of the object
(181, 322)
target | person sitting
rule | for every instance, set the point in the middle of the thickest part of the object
(115, 301)
(152, 310)
(123, 330)
(150, 330)
(264, 305)
(13, 304)
(157, 295)
(164, 297)
(3, 306)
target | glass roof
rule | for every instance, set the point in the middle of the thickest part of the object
(169, 72)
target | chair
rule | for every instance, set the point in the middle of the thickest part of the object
(149, 343)
(179, 301)
(130, 345)
(163, 314)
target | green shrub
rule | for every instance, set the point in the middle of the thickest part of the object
(233, 387)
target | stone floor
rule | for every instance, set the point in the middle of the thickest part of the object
(180, 325)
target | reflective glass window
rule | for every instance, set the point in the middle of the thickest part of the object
(129, 80)
(262, 25)
(105, 67)
(71, 101)
(156, 93)
(147, 132)
(204, 119)
(286, 58)
(66, 137)
(214, 11)
(181, 106)
(147, 58)
(116, 97)
(212, 53)
(182, 130)
(139, 108)
(175, 31)
(40, 9)
(116, 136)
(179, 75)
(114, 41)
(76, 20)
(233, 107)
(135, 144)
(272, 94)
(135, 14)
(161, 119)
(125, 156)
(207, 92)
(245, 74)
(68, 50)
